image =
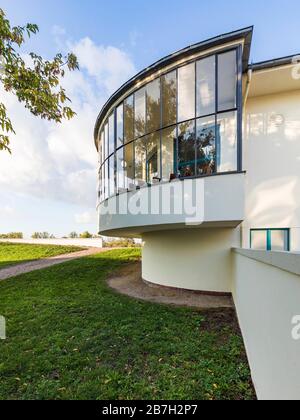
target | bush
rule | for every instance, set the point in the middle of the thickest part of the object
(86, 235)
(121, 243)
(12, 235)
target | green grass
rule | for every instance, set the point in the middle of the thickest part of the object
(70, 337)
(11, 254)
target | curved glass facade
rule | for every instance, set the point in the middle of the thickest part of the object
(185, 123)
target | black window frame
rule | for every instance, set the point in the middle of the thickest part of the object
(238, 109)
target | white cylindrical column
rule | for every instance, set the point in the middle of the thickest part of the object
(193, 259)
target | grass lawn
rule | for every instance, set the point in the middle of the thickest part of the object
(70, 337)
(11, 254)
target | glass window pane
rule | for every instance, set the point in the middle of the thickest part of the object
(279, 240)
(120, 164)
(206, 146)
(169, 154)
(153, 106)
(101, 144)
(206, 86)
(140, 113)
(227, 142)
(169, 99)
(128, 119)
(106, 180)
(153, 158)
(186, 149)
(112, 175)
(140, 157)
(111, 142)
(102, 156)
(186, 92)
(227, 81)
(106, 141)
(259, 239)
(128, 166)
(100, 186)
(120, 128)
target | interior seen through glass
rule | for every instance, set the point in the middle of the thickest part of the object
(183, 124)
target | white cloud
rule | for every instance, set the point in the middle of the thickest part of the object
(85, 218)
(7, 211)
(59, 162)
(110, 66)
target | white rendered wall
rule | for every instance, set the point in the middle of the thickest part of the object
(218, 200)
(267, 298)
(194, 259)
(272, 161)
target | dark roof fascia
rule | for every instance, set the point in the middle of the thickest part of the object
(277, 62)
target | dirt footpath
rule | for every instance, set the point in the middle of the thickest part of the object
(27, 267)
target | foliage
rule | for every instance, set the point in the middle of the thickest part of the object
(42, 235)
(86, 235)
(36, 85)
(12, 235)
(121, 243)
(71, 337)
(73, 235)
(11, 253)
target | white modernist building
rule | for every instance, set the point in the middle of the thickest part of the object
(200, 153)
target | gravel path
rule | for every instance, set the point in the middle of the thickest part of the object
(128, 281)
(27, 267)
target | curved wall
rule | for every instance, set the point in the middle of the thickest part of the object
(197, 259)
(215, 201)
(183, 123)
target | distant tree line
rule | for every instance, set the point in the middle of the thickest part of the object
(12, 235)
(42, 235)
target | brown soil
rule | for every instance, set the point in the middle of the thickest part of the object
(128, 281)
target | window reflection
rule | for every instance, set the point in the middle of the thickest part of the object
(120, 128)
(186, 92)
(169, 99)
(100, 146)
(227, 142)
(106, 141)
(206, 146)
(169, 152)
(153, 106)
(111, 141)
(112, 184)
(227, 81)
(147, 160)
(206, 86)
(103, 145)
(128, 167)
(173, 127)
(153, 159)
(100, 185)
(140, 113)
(106, 180)
(128, 119)
(120, 176)
(140, 157)
(186, 149)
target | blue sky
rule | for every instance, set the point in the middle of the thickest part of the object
(49, 183)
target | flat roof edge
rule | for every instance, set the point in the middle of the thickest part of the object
(276, 62)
